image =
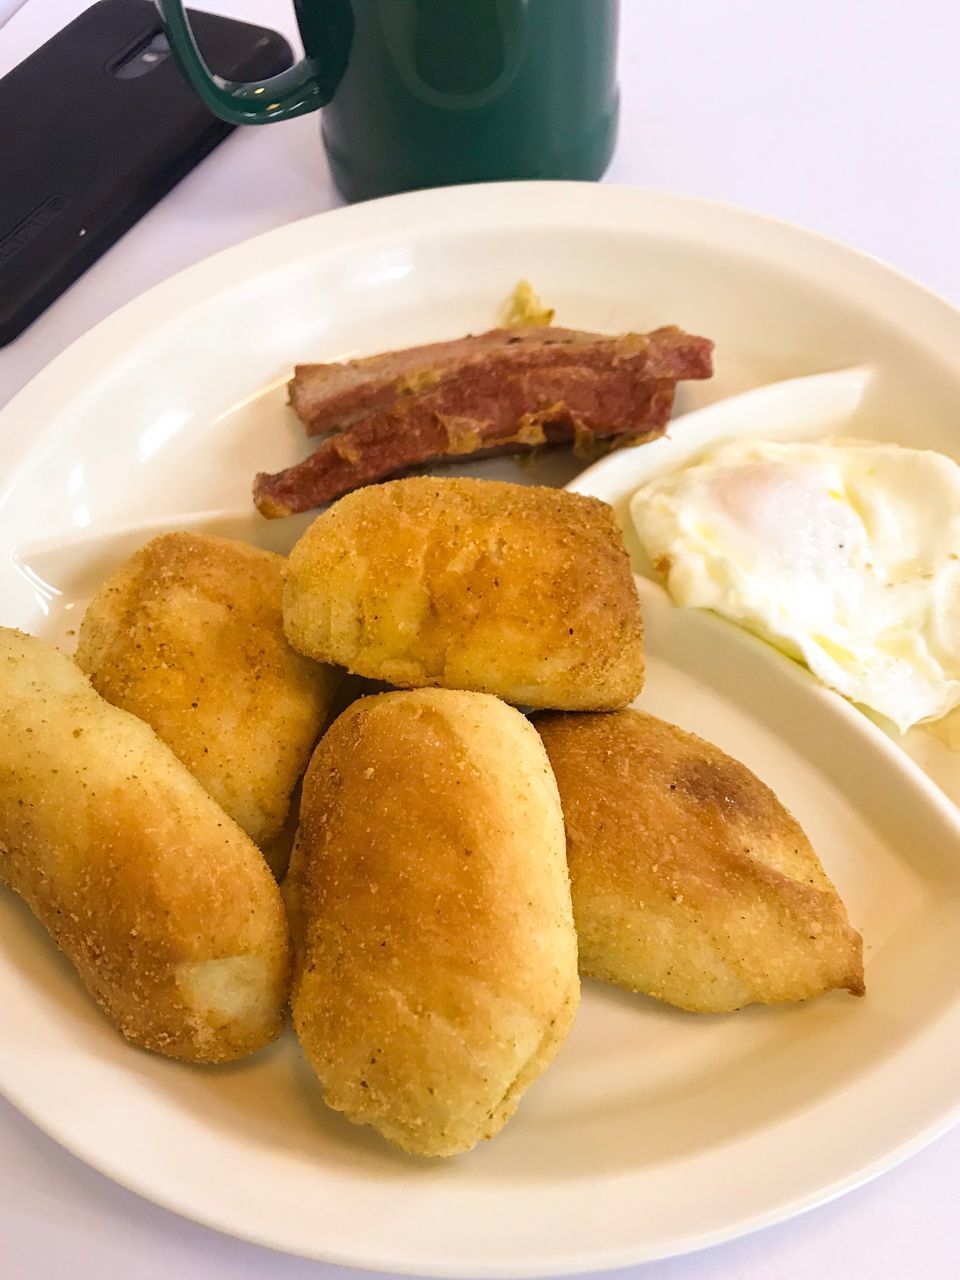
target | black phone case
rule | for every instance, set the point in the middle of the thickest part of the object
(84, 154)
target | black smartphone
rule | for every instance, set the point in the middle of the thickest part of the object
(95, 127)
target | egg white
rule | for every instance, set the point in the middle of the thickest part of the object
(843, 553)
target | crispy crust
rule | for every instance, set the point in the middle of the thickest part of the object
(439, 974)
(519, 591)
(691, 882)
(188, 635)
(165, 907)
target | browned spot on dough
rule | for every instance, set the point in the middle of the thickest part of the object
(716, 783)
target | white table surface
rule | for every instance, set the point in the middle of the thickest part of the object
(843, 115)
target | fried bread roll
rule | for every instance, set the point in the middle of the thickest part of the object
(508, 589)
(690, 880)
(439, 968)
(188, 635)
(167, 910)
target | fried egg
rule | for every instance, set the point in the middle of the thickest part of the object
(845, 554)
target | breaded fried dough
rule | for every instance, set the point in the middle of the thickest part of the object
(439, 967)
(188, 635)
(691, 882)
(508, 589)
(166, 908)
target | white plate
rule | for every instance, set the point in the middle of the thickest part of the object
(655, 1132)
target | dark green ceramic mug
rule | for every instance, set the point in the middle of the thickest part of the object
(421, 93)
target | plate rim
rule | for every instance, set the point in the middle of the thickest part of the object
(503, 206)
(159, 304)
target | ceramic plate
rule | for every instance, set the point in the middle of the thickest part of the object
(654, 1132)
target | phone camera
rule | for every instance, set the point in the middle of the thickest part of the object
(145, 55)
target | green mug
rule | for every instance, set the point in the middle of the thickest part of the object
(424, 93)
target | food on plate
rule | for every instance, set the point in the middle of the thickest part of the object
(188, 635)
(845, 554)
(439, 974)
(515, 590)
(166, 908)
(329, 397)
(507, 391)
(524, 309)
(690, 881)
(450, 867)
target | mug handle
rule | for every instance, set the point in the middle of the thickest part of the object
(306, 86)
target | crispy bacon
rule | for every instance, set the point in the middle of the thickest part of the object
(502, 392)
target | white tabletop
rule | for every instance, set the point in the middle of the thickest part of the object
(842, 116)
